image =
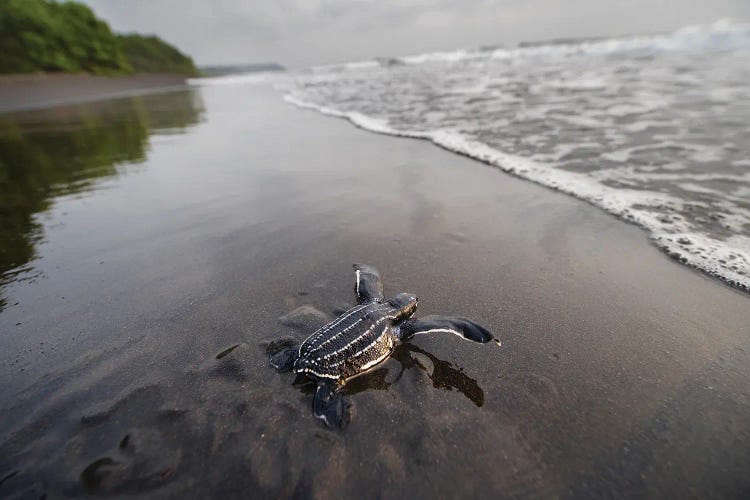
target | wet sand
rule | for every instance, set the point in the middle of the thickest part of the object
(42, 90)
(133, 361)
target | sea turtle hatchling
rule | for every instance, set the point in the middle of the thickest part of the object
(361, 338)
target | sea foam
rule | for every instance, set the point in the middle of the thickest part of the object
(659, 135)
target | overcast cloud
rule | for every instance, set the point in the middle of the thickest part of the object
(308, 32)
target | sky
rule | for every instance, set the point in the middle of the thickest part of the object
(301, 33)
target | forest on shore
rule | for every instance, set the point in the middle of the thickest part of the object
(50, 36)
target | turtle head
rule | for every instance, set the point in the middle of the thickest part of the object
(406, 303)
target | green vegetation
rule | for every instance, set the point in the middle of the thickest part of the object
(36, 35)
(50, 36)
(151, 54)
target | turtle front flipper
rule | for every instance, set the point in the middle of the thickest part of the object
(367, 285)
(462, 327)
(282, 354)
(330, 406)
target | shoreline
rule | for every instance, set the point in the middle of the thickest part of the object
(572, 184)
(43, 90)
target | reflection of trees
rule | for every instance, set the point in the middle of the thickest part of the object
(48, 153)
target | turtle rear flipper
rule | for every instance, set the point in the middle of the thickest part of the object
(282, 354)
(462, 327)
(368, 286)
(330, 406)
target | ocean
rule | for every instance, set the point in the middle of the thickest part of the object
(653, 129)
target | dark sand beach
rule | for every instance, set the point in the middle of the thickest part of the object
(158, 268)
(42, 90)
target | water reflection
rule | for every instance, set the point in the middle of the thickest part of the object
(442, 374)
(45, 154)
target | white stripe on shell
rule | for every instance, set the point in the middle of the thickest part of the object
(330, 355)
(377, 339)
(371, 343)
(356, 284)
(337, 321)
(336, 335)
(375, 362)
(334, 377)
(315, 336)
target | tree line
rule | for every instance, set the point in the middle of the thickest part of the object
(51, 36)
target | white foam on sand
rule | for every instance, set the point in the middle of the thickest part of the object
(254, 78)
(727, 259)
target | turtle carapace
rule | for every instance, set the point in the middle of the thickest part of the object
(360, 339)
